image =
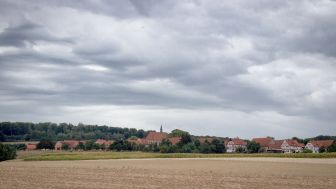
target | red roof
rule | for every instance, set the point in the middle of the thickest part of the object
(238, 141)
(264, 142)
(295, 143)
(321, 143)
(156, 136)
(142, 141)
(31, 146)
(71, 143)
(104, 142)
(276, 145)
(174, 140)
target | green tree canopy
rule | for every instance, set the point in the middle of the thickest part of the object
(7, 152)
(332, 148)
(65, 146)
(217, 146)
(177, 133)
(46, 144)
(253, 147)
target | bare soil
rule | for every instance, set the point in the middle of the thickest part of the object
(170, 173)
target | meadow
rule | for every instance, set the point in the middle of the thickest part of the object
(96, 155)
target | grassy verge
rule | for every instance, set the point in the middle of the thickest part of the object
(56, 156)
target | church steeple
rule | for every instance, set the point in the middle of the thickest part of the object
(161, 129)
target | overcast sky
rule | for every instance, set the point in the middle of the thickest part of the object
(225, 68)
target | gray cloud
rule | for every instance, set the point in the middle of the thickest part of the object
(247, 60)
(27, 34)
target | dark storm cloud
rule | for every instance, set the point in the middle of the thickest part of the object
(249, 57)
(27, 33)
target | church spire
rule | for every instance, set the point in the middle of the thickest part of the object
(161, 129)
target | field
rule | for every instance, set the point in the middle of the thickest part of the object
(92, 155)
(170, 173)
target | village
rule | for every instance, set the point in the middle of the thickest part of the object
(233, 145)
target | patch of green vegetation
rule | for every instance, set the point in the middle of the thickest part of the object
(57, 156)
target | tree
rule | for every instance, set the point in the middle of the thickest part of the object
(205, 148)
(298, 139)
(80, 146)
(45, 144)
(322, 149)
(120, 145)
(165, 142)
(253, 147)
(89, 145)
(96, 146)
(197, 143)
(7, 152)
(18, 146)
(177, 133)
(332, 148)
(133, 138)
(218, 146)
(240, 149)
(2, 137)
(185, 138)
(164, 148)
(65, 146)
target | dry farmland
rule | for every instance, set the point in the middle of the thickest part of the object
(170, 173)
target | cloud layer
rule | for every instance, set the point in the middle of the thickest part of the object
(211, 67)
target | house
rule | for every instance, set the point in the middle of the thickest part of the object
(156, 137)
(291, 146)
(274, 146)
(31, 146)
(72, 144)
(235, 143)
(315, 145)
(264, 142)
(142, 141)
(268, 144)
(138, 141)
(104, 142)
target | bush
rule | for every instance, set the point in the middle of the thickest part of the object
(322, 149)
(186, 149)
(45, 144)
(123, 145)
(332, 148)
(80, 146)
(217, 146)
(7, 152)
(2, 137)
(164, 148)
(307, 151)
(205, 148)
(240, 150)
(65, 146)
(253, 147)
(18, 146)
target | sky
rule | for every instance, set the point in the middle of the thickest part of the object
(222, 68)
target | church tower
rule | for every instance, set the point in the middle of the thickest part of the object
(161, 129)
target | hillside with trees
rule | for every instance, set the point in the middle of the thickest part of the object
(26, 131)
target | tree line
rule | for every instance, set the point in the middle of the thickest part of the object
(26, 131)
